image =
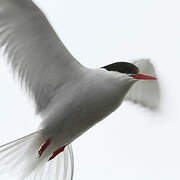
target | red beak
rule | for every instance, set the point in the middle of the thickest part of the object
(143, 76)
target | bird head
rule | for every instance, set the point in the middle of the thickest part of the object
(129, 69)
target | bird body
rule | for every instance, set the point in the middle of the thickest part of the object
(69, 97)
(84, 103)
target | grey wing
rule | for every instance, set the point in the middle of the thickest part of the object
(34, 50)
(146, 93)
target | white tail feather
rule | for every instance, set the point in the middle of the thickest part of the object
(20, 157)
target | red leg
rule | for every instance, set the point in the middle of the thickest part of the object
(55, 153)
(43, 147)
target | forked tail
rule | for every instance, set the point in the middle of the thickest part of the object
(20, 157)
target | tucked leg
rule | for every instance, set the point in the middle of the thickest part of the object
(55, 153)
(43, 147)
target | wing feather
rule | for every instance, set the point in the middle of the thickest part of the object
(34, 50)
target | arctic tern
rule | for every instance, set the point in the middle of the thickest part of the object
(69, 97)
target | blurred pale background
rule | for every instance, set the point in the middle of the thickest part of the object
(132, 143)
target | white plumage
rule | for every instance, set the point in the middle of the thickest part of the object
(69, 97)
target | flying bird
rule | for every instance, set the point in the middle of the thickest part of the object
(69, 97)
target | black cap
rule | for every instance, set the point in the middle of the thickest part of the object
(122, 67)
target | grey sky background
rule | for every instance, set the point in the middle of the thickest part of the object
(132, 143)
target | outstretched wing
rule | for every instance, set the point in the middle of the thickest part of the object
(146, 93)
(34, 50)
